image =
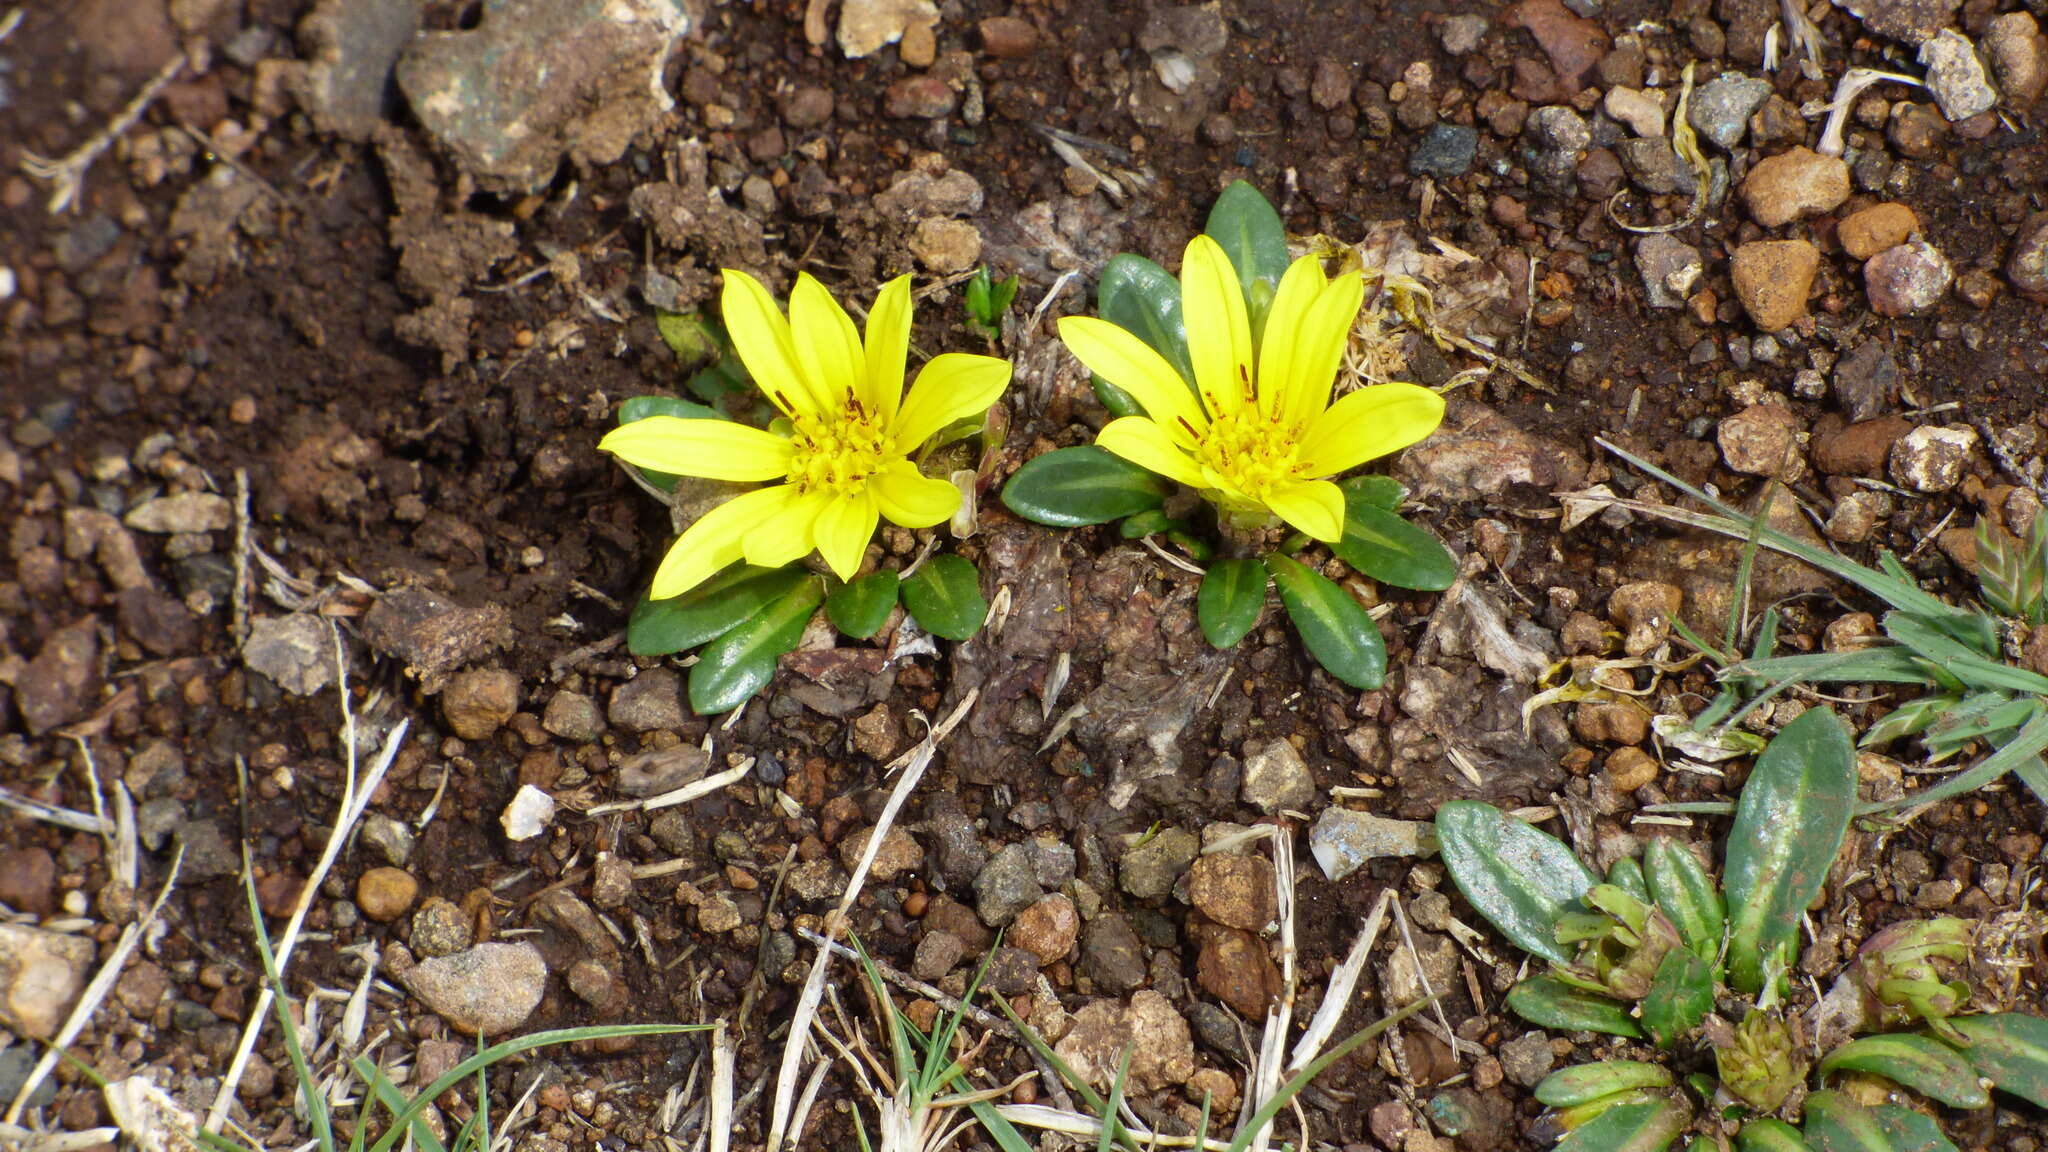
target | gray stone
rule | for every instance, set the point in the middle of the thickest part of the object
(957, 851)
(1052, 862)
(663, 770)
(1112, 955)
(573, 716)
(1461, 33)
(1275, 777)
(649, 701)
(1149, 870)
(351, 48)
(57, 684)
(1445, 151)
(1911, 21)
(481, 95)
(1654, 167)
(207, 853)
(294, 652)
(489, 989)
(936, 955)
(184, 512)
(15, 1063)
(1669, 268)
(1721, 107)
(1008, 884)
(439, 929)
(1554, 140)
(391, 839)
(157, 820)
(1342, 841)
(433, 636)
(1956, 76)
(1527, 1059)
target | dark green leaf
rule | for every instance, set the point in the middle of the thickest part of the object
(741, 662)
(1119, 402)
(1585, 1083)
(1147, 523)
(2011, 1050)
(1679, 884)
(1336, 628)
(641, 407)
(860, 608)
(1233, 594)
(1198, 549)
(1382, 492)
(1835, 1123)
(1637, 1126)
(1627, 875)
(1073, 487)
(1927, 1066)
(692, 338)
(1519, 877)
(1910, 1131)
(706, 612)
(1244, 223)
(1681, 994)
(1788, 827)
(1769, 1135)
(1548, 1002)
(1391, 550)
(1144, 299)
(944, 597)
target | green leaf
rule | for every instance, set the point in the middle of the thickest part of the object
(2011, 1050)
(1638, 1126)
(1927, 1066)
(1910, 1131)
(1548, 1002)
(1119, 402)
(1147, 523)
(859, 609)
(1681, 994)
(1519, 877)
(641, 407)
(690, 336)
(1144, 299)
(1585, 1083)
(1627, 875)
(741, 662)
(1250, 232)
(1074, 487)
(1679, 885)
(1391, 550)
(1382, 492)
(1232, 596)
(706, 612)
(1835, 1123)
(1338, 631)
(944, 597)
(1769, 1135)
(1789, 825)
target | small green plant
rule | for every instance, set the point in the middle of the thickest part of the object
(1972, 693)
(1660, 952)
(1221, 381)
(407, 1120)
(987, 299)
(847, 447)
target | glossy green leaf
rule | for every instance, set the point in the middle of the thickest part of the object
(1391, 550)
(1074, 487)
(1925, 1065)
(741, 662)
(1584, 1083)
(706, 612)
(1382, 492)
(1233, 594)
(1521, 878)
(860, 608)
(1769, 1134)
(1912, 1131)
(1548, 1002)
(1627, 875)
(944, 597)
(1679, 884)
(1250, 232)
(1334, 626)
(1789, 825)
(1681, 994)
(1119, 402)
(1638, 1126)
(2011, 1050)
(1835, 1123)
(1147, 523)
(1144, 299)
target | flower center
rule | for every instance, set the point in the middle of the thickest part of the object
(837, 453)
(1249, 451)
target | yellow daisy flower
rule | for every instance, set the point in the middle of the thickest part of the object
(1257, 433)
(842, 448)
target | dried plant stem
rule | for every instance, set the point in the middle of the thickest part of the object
(66, 176)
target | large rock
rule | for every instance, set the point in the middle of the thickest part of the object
(538, 80)
(489, 989)
(41, 975)
(1161, 1047)
(1772, 278)
(1795, 183)
(351, 48)
(58, 683)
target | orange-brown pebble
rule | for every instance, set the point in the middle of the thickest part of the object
(915, 904)
(523, 338)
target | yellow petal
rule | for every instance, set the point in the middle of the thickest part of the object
(1219, 331)
(1296, 295)
(761, 337)
(1319, 341)
(844, 529)
(714, 541)
(1143, 442)
(1129, 363)
(712, 449)
(888, 348)
(912, 499)
(951, 386)
(827, 344)
(788, 534)
(1365, 425)
(1314, 506)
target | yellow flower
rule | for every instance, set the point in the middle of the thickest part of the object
(1257, 433)
(842, 449)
